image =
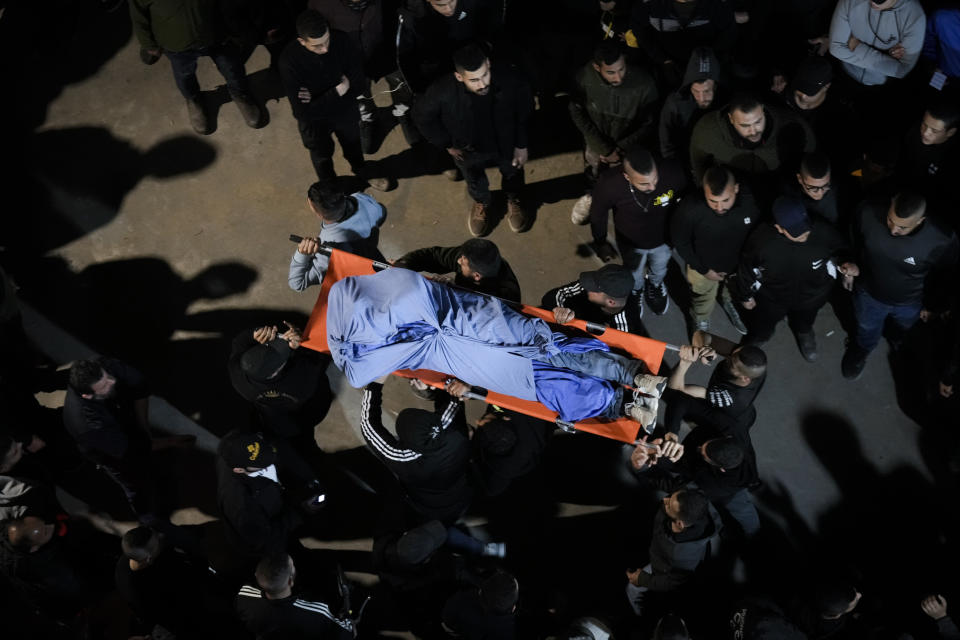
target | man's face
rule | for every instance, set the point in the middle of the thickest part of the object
(477, 81)
(806, 103)
(644, 183)
(902, 226)
(445, 8)
(614, 73)
(723, 201)
(466, 271)
(104, 388)
(815, 188)
(318, 46)
(671, 507)
(933, 131)
(749, 124)
(702, 93)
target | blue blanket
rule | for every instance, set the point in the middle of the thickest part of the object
(397, 319)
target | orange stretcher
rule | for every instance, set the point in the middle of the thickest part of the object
(343, 264)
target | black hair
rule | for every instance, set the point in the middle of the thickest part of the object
(908, 204)
(692, 505)
(717, 179)
(138, 543)
(499, 593)
(743, 102)
(725, 452)
(469, 57)
(832, 597)
(816, 165)
(753, 360)
(607, 52)
(273, 572)
(496, 437)
(671, 627)
(946, 111)
(483, 256)
(84, 374)
(330, 203)
(312, 24)
(641, 161)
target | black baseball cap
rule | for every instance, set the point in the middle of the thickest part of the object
(612, 279)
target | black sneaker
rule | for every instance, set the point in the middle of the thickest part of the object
(854, 359)
(656, 296)
(807, 342)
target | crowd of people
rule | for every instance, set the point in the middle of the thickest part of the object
(789, 155)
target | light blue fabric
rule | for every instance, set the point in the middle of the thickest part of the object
(397, 319)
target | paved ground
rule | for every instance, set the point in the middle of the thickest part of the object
(125, 204)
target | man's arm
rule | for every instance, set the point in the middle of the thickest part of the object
(430, 259)
(669, 581)
(427, 114)
(307, 268)
(644, 125)
(595, 138)
(681, 233)
(380, 441)
(700, 155)
(677, 379)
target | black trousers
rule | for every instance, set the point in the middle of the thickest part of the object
(763, 319)
(317, 136)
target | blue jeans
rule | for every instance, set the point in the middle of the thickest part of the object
(606, 365)
(741, 508)
(463, 542)
(637, 260)
(871, 315)
(227, 59)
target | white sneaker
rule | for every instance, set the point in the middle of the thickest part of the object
(581, 210)
(650, 384)
(494, 550)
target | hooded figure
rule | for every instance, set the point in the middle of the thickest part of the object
(684, 107)
(429, 455)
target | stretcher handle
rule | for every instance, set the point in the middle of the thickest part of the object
(593, 327)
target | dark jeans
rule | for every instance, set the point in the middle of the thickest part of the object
(763, 319)
(473, 167)
(227, 59)
(316, 136)
(872, 314)
(136, 481)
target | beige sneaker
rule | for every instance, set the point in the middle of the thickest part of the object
(581, 210)
(650, 384)
(517, 217)
(478, 221)
(644, 414)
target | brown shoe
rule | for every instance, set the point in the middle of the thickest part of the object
(248, 109)
(478, 221)
(198, 118)
(517, 218)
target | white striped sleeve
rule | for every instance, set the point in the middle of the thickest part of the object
(620, 323)
(449, 413)
(719, 397)
(380, 440)
(324, 610)
(567, 292)
(250, 592)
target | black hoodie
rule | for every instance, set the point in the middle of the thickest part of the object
(680, 111)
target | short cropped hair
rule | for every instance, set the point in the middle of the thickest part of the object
(273, 572)
(753, 361)
(469, 57)
(499, 593)
(331, 203)
(641, 161)
(717, 179)
(946, 111)
(692, 505)
(816, 165)
(725, 452)
(312, 24)
(483, 256)
(908, 204)
(607, 52)
(832, 597)
(84, 374)
(743, 102)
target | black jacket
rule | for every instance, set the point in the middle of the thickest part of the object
(707, 240)
(436, 481)
(794, 274)
(680, 111)
(574, 297)
(904, 269)
(496, 472)
(675, 556)
(664, 35)
(291, 618)
(295, 400)
(320, 74)
(444, 114)
(259, 514)
(444, 260)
